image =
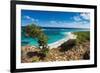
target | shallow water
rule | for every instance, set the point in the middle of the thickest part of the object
(53, 35)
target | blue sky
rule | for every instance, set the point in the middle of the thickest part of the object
(55, 19)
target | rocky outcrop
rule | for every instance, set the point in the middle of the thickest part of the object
(76, 52)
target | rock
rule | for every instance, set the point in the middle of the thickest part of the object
(86, 55)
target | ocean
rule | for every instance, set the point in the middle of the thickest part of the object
(54, 34)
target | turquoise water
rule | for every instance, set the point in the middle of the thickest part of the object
(53, 36)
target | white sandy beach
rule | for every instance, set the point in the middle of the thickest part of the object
(59, 42)
(68, 35)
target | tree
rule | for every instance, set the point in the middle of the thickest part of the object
(36, 32)
(42, 40)
(33, 30)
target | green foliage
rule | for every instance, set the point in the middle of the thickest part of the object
(45, 51)
(33, 30)
(67, 45)
(82, 36)
(35, 59)
(36, 32)
(42, 40)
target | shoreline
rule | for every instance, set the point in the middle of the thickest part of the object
(61, 41)
(78, 52)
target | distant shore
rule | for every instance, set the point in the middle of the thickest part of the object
(59, 27)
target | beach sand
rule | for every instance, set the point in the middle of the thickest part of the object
(59, 42)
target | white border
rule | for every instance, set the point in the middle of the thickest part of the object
(20, 65)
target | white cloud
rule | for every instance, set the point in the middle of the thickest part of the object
(78, 21)
(81, 17)
(53, 22)
(27, 17)
(65, 24)
(77, 18)
(30, 18)
(85, 16)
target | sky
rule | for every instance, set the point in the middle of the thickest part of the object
(55, 19)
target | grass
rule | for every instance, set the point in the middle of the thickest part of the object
(82, 36)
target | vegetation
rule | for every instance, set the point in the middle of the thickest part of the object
(68, 45)
(45, 51)
(73, 49)
(35, 59)
(82, 36)
(35, 31)
(42, 40)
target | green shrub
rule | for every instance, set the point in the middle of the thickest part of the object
(82, 36)
(67, 45)
(36, 32)
(45, 51)
(35, 59)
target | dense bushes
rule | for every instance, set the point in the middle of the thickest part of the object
(68, 45)
(35, 59)
(82, 36)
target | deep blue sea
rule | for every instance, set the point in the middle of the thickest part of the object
(53, 35)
